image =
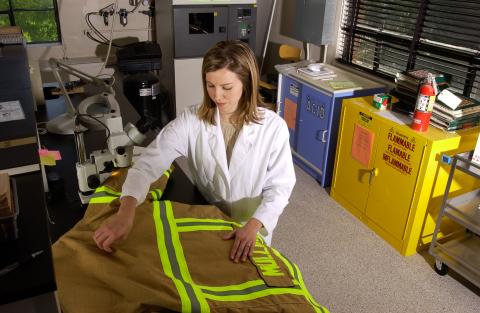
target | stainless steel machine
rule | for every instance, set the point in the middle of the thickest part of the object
(186, 29)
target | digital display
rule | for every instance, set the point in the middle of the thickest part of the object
(201, 23)
(244, 12)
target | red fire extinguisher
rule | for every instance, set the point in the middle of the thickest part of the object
(424, 107)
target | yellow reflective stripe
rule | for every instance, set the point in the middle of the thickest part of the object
(206, 220)
(181, 258)
(168, 172)
(107, 189)
(159, 193)
(198, 294)
(248, 284)
(295, 272)
(184, 229)
(286, 262)
(102, 200)
(104, 194)
(162, 250)
(255, 295)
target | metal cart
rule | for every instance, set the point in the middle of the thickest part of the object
(460, 249)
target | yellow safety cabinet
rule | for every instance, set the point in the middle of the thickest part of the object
(391, 177)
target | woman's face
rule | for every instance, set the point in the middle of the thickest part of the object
(225, 89)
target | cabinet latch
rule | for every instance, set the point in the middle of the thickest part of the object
(372, 173)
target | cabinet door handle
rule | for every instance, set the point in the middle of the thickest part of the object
(324, 135)
(373, 172)
(321, 135)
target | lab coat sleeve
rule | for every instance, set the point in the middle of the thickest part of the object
(170, 144)
(279, 182)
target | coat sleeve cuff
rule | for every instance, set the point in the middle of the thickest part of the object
(267, 221)
(135, 186)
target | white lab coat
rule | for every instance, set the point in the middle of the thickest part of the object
(258, 182)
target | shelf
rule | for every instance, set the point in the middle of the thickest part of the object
(464, 209)
(462, 255)
(465, 165)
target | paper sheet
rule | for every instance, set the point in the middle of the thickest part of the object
(341, 84)
(362, 144)
(290, 115)
(11, 111)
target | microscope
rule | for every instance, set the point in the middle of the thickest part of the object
(94, 170)
(102, 112)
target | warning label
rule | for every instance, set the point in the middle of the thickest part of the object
(398, 152)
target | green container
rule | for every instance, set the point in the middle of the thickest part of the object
(381, 101)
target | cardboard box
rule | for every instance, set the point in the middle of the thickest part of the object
(8, 209)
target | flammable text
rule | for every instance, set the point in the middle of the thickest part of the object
(401, 141)
(404, 168)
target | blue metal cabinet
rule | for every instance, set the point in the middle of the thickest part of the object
(312, 109)
(313, 126)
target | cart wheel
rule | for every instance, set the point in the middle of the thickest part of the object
(440, 268)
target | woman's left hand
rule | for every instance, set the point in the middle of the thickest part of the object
(244, 240)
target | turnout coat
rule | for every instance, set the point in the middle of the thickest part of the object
(174, 260)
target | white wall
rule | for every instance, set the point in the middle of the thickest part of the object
(75, 44)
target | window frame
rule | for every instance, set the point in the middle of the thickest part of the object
(10, 11)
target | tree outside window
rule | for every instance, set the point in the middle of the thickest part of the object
(38, 19)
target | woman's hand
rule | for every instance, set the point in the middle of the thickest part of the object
(118, 226)
(244, 240)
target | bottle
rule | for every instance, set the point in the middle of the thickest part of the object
(423, 107)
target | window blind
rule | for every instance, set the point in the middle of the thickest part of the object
(390, 36)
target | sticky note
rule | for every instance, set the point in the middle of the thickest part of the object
(47, 160)
(43, 152)
(55, 154)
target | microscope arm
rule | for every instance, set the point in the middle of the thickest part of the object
(57, 65)
(92, 172)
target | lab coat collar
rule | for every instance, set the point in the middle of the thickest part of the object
(242, 147)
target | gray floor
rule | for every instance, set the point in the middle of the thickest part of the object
(348, 268)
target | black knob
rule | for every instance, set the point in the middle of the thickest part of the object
(109, 166)
(120, 150)
(93, 181)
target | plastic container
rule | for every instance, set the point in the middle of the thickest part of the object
(381, 101)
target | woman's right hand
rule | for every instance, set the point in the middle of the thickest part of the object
(118, 226)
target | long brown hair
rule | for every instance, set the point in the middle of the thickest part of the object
(237, 57)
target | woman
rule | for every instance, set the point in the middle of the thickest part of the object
(238, 153)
